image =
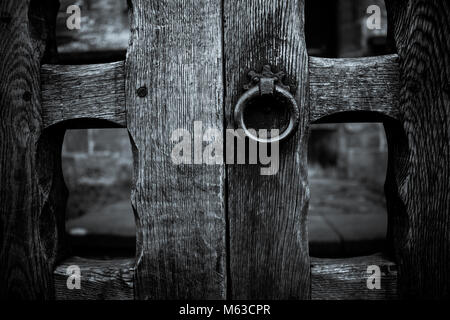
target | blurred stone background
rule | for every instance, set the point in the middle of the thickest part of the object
(97, 168)
(347, 161)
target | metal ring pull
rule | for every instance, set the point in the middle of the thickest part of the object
(267, 83)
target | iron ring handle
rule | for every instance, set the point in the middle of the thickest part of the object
(254, 92)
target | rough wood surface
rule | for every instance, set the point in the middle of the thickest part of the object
(418, 188)
(267, 214)
(99, 279)
(354, 84)
(346, 279)
(173, 78)
(29, 230)
(52, 223)
(343, 279)
(48, 155)
(95, 91)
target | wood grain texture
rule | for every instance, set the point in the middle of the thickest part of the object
(95, 91)
(354, 84)
(346, 278)
(331, 279)
(30, 227)
(175, 53)
(100, 279)
(418, 188)
(267, 214)
(52, 223)
(42, 15)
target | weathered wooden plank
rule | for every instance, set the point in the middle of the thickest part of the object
(52, 224)
(173, 78)
(354, 84)
(331, 279)
(30, 227)
(346, 278)
(53, 189)
(418, 188)
(99, 279)
(95, 91)
(267, 213)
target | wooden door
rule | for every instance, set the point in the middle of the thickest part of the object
(198, 221)
(268, 257)
(175, 57)
(224, 230)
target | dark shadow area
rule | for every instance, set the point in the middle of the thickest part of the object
(320, 28)
(354, 117)
(91, 57)
(267, 112)
(87, 123)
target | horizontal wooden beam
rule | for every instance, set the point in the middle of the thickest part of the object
(354, 84)
(95, 91)
(346, 278)
(343, 279)
(100, 279)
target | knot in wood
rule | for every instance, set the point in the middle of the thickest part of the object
(26, 96)
(142, 91)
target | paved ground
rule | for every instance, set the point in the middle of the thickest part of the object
(345, 219)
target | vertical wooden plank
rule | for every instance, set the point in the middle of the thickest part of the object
(173, 78)
(53, 190)
(267, 214)
(54, 193)
(418, 188)
(29, 225)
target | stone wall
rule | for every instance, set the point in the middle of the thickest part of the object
(97, 166)
(354, 38)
